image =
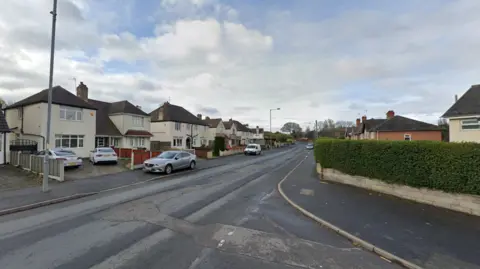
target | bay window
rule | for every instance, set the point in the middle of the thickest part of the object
(137, 141)
(69, 141)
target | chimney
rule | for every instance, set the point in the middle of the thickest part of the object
(257, 130)
(364, 118)
(199, 116)
(456, 98)
(139, 107)
(82, 91)
(390, 114)
(358, 122)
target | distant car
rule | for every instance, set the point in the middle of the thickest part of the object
(309, 146)
(169, 161)
(103, 155)
(253, 149)
(70, 159)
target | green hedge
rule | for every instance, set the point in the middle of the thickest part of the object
(218, 145)
(451, 167)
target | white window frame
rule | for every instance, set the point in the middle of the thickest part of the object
(102, 144)
(136, 142)
(114, 141)
(177, 141)
(59, 139)
(474, 122)
(77, 113)
(178, 126)
(137, 121)
(407, 137)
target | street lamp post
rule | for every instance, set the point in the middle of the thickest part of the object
(49, 110)
(272, 109)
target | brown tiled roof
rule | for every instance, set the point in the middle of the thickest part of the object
(138, 133)
(3, 124)
(400, 124)
(240, 126)
(213, 123)
(368, 125)
(60, 96)
(176, 114)
(468, 104)
(227, 124)
(125, 107)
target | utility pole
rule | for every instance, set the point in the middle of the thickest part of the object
(46, 165)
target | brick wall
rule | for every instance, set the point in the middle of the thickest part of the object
(415, 135)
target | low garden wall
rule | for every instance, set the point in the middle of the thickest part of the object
(442, 174)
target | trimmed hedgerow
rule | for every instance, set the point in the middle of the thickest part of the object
(218, 145)
(451, 167)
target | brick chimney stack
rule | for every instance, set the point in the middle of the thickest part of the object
(358, 122)
(390, 114)
(364, 118)
(82, 91)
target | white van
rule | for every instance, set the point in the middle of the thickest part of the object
(253, 149)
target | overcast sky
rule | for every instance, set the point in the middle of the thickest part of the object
(314, 59)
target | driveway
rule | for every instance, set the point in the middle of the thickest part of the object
(14, 178)
(88, 170)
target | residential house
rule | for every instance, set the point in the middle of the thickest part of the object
(258, 136)
(73, 121)
(242, 131)
(233, 135)
(4, 130)
(464, 117)
(216, 128)
(396, 127)
(120, 124)
(174, 126)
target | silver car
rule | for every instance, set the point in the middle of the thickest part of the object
(309, 146)
(169, 161)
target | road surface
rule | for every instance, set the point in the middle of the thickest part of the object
(229, 216)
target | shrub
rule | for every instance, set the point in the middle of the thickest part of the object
(451, 167)
(218, 145)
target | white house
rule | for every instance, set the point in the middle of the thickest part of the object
(216, 128)
(73, 121)
(4, 130)
(174, 126)
(257, 136)
(119, 124)
(238, 133)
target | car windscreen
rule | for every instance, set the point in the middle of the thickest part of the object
(167, 155)
(106, 150)
(251, 147)
(64, 153)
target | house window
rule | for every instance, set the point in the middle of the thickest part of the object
(69, 141)
(177, 141)
(114, 142)
(187, 126)
(100, 142)
(178, 126)
(407, 137)
(470, 124)
(71, 113)
(137, 121)
(137, 141)
(203, 142)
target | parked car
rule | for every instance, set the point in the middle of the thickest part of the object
(103, 155)
(253, 149)
(169, 161)
(309, 146)
(70, 159)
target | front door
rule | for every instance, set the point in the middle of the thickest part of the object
(2, 160)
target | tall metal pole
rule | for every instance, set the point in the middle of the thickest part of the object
(270, 121)
(49, 110)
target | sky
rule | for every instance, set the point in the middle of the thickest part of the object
(313, 59)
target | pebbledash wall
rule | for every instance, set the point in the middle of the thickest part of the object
(465, 203)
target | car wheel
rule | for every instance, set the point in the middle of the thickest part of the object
(192, 165)
(168, 169)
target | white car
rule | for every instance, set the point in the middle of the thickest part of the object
(103, 155)
(70, 159)
(253, 149)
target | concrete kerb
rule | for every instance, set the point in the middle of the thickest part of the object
(354, 239)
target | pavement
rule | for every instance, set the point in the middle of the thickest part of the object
(17, 198)
(229, 216)
(427, 236)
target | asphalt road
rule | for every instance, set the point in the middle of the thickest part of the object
(230, 216)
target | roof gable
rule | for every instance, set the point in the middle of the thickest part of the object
(400, 124)
(169, 112)
(468, 104)
(60, 96)
(3, 124)
(213, 123)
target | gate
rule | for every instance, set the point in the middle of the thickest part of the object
(24, 145)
